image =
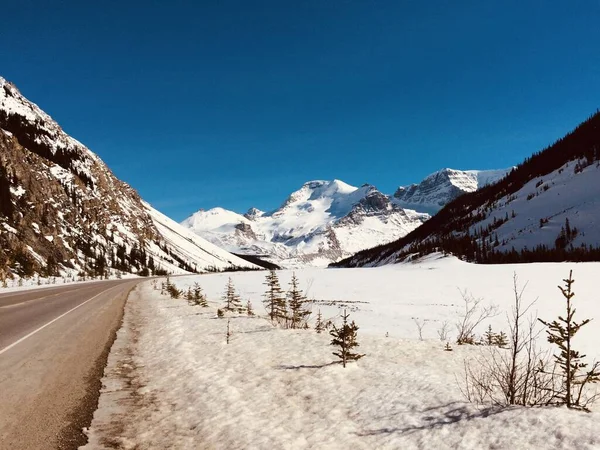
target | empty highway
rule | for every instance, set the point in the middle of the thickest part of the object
(53, 347)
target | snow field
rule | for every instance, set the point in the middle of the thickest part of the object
(280, 389)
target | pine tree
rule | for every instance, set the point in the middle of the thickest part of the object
(231, 298)
(489, 336)
(561, 332)
(197, 296)
(249, 309)
(500, 340)
(319, 325)
(274, 298)
(298, 313)
(345, 338)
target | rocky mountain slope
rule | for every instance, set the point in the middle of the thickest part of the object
(440, 188)
(321, 222)
(62, 209)
(547, 209)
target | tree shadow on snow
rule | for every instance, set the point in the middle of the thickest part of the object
(316, 366)
(438, 417)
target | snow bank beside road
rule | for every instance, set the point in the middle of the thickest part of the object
(272, 388)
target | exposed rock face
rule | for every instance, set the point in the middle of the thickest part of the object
(62, 208)
(440, 188)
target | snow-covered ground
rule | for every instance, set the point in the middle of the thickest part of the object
(273, 388)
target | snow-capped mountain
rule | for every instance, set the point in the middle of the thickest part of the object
(61, 208)
(440, 188)
(321, 222)
(546, 209)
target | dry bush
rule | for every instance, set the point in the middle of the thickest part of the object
(521, 374)
(474, 314)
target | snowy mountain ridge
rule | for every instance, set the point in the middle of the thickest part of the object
(319, 223)
(443, 186)
(62, 209)
(546, 209)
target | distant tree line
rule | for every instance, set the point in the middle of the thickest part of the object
(450, 230)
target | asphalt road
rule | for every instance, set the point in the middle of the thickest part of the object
(53, 348)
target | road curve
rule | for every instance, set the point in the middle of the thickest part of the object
(53, 347)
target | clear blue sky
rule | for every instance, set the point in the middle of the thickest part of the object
(237, 103)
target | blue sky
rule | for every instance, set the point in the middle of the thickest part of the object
(238, 103)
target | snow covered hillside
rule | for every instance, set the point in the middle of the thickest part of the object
(322, 222)
(173, 382)
(546, 209)
(440, 188)
(63, 211)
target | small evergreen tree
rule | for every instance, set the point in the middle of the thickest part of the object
(198, 297)
(249, 309)
(489, 337)
(319, 325)
(173, 291)
(299, 312)
(274, 298)
(500, 340)
(570, 362)
(345, 338)
(231, 298)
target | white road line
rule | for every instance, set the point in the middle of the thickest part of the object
(5, 349)
(39, 298)
(46, 289)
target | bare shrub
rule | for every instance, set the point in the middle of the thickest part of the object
(420, 325)
(443, 331)
(517, 375)
(474, 314)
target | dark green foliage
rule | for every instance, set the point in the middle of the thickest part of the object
(319, 325)
(274, 299)
(494, 339)
(570, 362)
(196, 297)
(231, 298)
(488, 336)
(298, 306)
(249, 309)
(345, 338)
(173, 291)
(258, 261)
(500, 340)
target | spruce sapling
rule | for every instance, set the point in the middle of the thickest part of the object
(298, 314)
(231, 298)
(319, 326)
(570, 362)
(274, 299)
(345, 338)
